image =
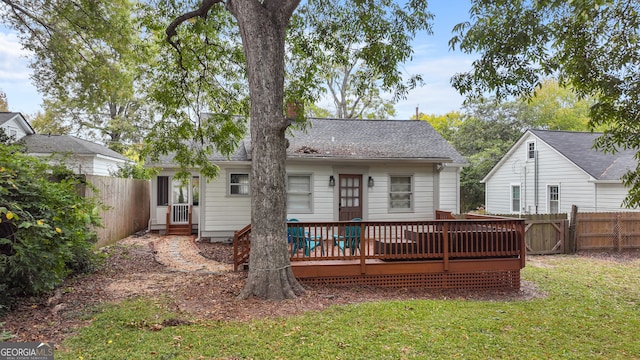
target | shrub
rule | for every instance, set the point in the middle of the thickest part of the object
(45, 225)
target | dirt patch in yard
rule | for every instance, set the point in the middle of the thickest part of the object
(131, 269)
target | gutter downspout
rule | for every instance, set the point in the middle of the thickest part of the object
(199, 210)
(535, 179)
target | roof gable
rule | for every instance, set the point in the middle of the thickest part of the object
(61, 144)
(18, 119)
(578, 148)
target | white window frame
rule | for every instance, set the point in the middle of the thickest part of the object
(230, 185)
(308, 194)
(195, 190)
(511, 198)
(410, 193)
(549, 200)
(531, 153)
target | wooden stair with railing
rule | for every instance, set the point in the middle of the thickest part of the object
(179, 228)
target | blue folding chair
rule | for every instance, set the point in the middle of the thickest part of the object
(302, 240)
(350, 239)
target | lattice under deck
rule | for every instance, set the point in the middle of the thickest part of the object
(508, 279)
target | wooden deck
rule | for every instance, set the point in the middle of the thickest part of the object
(477, 253)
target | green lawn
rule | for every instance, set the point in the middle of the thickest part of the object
(592, 310)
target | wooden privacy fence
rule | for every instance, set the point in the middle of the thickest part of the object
(608, 231)
(127, 202)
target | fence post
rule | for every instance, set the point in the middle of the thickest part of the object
(618, 233)
(572, 246)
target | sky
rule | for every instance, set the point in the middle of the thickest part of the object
(432, 59)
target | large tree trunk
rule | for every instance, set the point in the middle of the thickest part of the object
(263, 28)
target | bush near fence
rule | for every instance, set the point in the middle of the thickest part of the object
(127, 206)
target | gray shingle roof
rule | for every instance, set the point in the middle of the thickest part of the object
(62, 144)
(359, 140)
(371, 139)
(6, 116)
(578, 148)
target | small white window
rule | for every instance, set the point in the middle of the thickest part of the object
(400, 193)
(531, 150)
(238, 184)
(13, 133)
(554, 198)
(299, 194)
(515, 198)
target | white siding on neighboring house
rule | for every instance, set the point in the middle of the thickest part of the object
(12, 128)
(449, 189)
(104, 166)
(552, 169)
(609, 197)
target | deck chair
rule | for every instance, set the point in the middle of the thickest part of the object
(289, 230)
(302, 240)
(350, 239)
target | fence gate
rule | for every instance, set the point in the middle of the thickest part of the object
(545, 233)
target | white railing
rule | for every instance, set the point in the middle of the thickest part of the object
(180, 214)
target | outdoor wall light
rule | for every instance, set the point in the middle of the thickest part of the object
(332, 181)
(370, 183)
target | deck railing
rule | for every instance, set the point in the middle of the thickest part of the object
(404, 240)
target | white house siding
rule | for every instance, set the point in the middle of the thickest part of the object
(449, 189)
(609, 197)
(223, 213)
(553, 169)
(12, 126)
(105, 166)
(423, 192)
(322, 194)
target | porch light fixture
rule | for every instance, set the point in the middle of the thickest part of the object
(370, 182)
(332, 181)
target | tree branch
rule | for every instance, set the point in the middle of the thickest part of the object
(202, 12)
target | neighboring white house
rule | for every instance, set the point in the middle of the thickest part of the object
(336, 170)
(81, 156)
(15, 125)
(549, 171)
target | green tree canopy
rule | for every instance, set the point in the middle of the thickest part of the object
(591, 45)
(86, 60)
(354, 49)
(4, 104)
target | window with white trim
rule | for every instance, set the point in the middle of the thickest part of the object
(400, 193)
(515, 198)
(531, 150)
(553, 192)
(195, 190)
(299, 194)
(238, 184)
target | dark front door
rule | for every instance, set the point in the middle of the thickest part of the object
(350, 205)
